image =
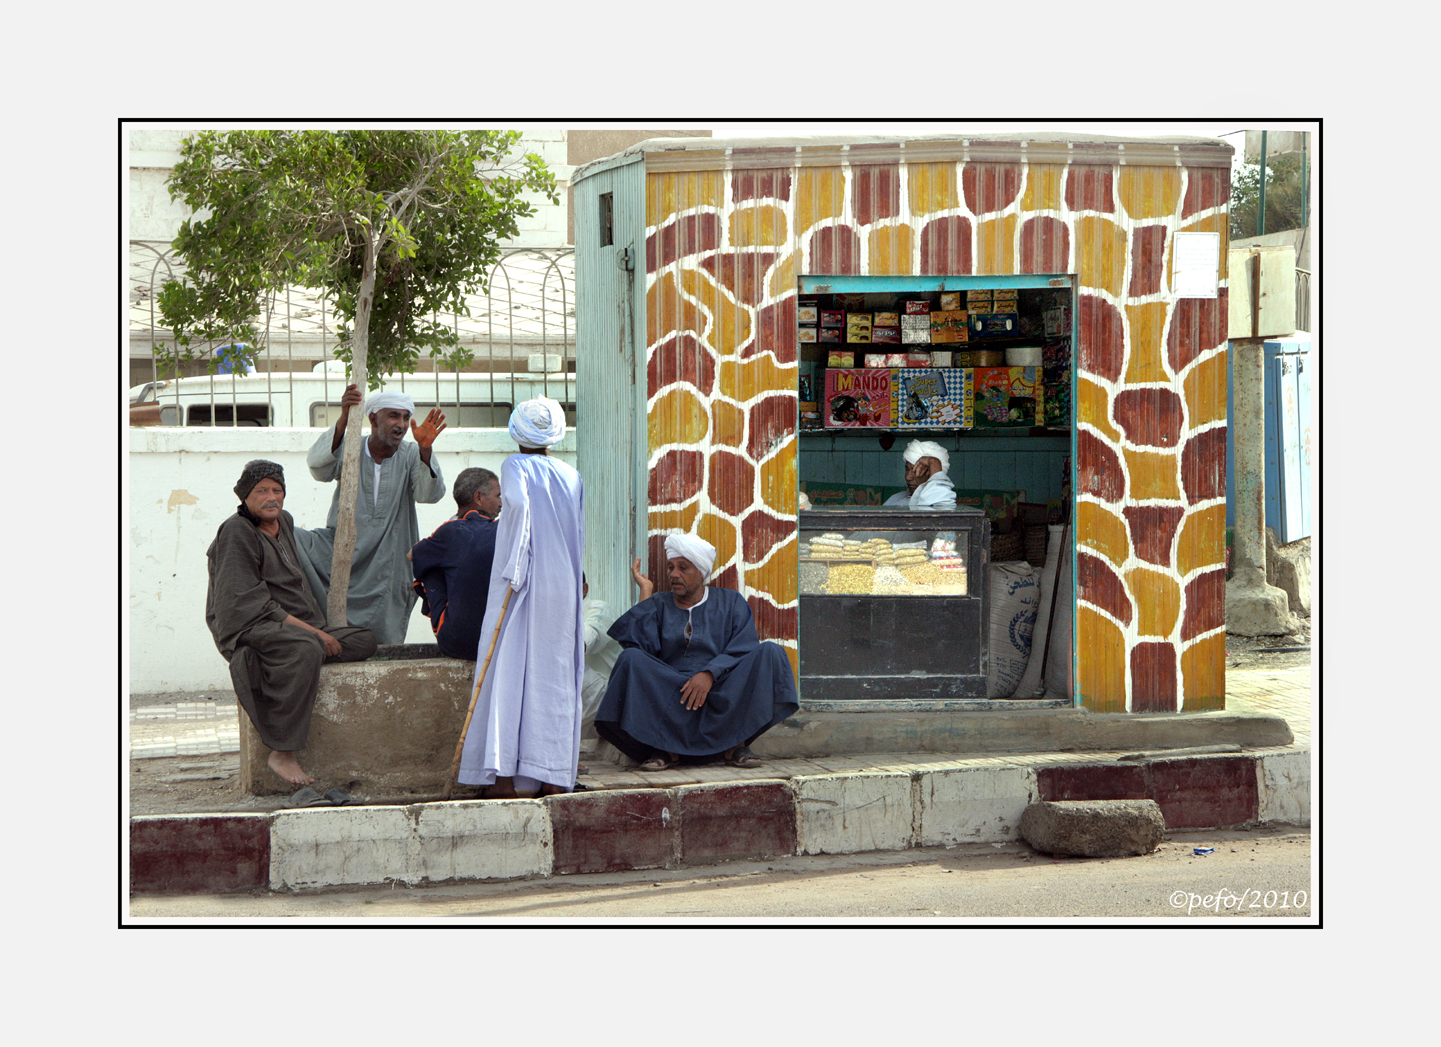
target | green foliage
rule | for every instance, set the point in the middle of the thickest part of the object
(1285, 196)
(307, 208)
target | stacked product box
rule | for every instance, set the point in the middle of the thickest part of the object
(807, 320)
(1008, 397)
(949, 325)
(1056, 378)
(933, 396)
(858, 397)
(858, 327)
(886, 328)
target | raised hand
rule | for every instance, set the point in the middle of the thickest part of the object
(426, 432)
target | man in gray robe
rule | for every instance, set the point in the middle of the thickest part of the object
(693, 683)
(266, 622)
(927, 484)
(394, 475)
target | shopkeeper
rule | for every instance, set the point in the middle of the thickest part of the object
(927, 485)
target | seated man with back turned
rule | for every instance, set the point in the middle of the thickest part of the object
(694, 682)
(452, 566)
(266, 622)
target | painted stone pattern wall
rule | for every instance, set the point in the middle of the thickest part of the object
(729, 234)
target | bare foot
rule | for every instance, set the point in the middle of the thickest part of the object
(288, 767)
(503, 789)
(552, 790)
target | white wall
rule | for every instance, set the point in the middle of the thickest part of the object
(179, 488)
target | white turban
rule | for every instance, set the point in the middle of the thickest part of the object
(384, 400)
(537, 423)
(918, 449)
(693, 548)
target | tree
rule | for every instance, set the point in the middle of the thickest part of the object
(1285, 196)
(391, 225)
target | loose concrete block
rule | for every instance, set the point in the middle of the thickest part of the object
(973, 804)
(1093, 828)
(1286, 787)
(721, 821)
(380, 729)
(1205, 792)
(851, 813)
(199, 854)
(614, 830)
(1092, 781)
(325, 847)
(483, 840)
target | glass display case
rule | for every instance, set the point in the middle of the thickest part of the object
(893, 604)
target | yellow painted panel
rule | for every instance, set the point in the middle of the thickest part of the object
(996, 245)
(666, 521)
(1216, 223)
(666, 311)
(730, 423)
(784, 277)
(721, 533)
(1157, 599)
(1146, 361)
(1202, 541)
(1102, 532)
(1203, 674)
(1101, 654)
(1153, 474)
(932, 188)
(1095, 408)
(731, 322)
(1149, 192)
(1101, 251)
(777, 576)
(890, 251)
(1043, 187)
(1205, 391)
(677, 417)
(778, 479)
(820, 194)
(671, 192)
(759, 226)
(743, 381)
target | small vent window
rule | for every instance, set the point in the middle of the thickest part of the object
(607, 226)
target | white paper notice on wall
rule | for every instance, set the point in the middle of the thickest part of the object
(1195, 265)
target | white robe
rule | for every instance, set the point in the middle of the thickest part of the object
(600, 655)
(936, 493)
(527, 716)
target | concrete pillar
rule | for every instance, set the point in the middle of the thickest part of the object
(1253, 608)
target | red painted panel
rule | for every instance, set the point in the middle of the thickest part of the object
(199, 854)
(676, 478)
(1153, 678)
(875, 193)
(1089, 189)
(1107, 781)
(742, 273)
(1206, 792)
(761, 184)
(732, 482)
(1101, 586)
(760, 531)
(1205, 604)
(775, 331)
(772, 622)
(611, 831)
(1203, 465)
(1150, 417)
(747, 820)
(690, 234)
(1103, 338)
(1045, 245)
(990, 187)
(946, 247)
(1206, 187)
(1153, 530)
(1099, 468)
(772, 420)
(1198, 325)
(835, 250)
(1148, 248)
(680, 358)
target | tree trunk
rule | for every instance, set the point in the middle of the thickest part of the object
(356, 430)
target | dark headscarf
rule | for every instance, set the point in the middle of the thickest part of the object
(255, 471)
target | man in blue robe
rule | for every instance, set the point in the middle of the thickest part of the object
(694, 683)
(452, 566)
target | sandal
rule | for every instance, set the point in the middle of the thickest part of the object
(659, 762)
(741, 756)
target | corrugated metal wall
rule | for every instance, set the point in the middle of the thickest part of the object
(729, 231)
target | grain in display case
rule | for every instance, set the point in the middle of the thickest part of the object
(893, 604)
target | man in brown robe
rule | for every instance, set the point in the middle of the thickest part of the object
(267, 623)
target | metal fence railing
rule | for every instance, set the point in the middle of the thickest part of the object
(521, 335)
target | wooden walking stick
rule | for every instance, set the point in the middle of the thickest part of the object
(460, 745)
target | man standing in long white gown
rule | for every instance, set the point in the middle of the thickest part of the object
(524, 735)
